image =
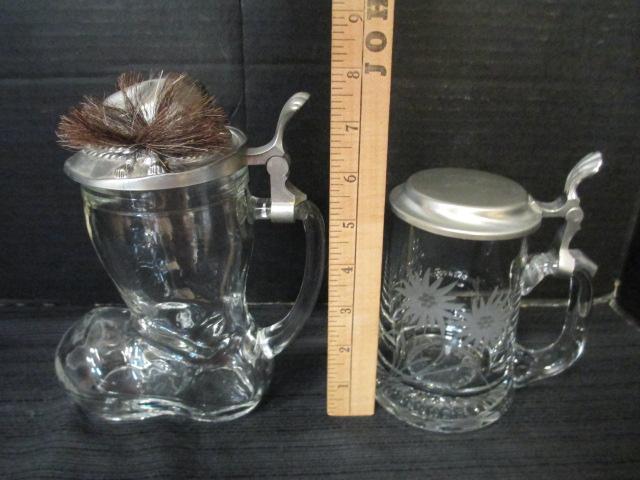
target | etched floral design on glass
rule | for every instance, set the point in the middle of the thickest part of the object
(440, 318)
(446, 333)
(427, 302)
(487, 321)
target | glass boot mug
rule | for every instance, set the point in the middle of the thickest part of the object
(177, 247)
(456, 268)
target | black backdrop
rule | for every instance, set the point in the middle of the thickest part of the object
(516, 87)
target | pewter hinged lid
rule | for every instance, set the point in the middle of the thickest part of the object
(467, 204)
(122, 168)
(96, 169)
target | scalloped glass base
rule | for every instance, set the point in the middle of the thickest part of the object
(443, 386)
(113, 371)
(442, 413)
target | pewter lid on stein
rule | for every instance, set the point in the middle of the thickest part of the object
(96, 169)
(466, 204)
(135, 169)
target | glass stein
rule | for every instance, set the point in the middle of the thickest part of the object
(177, 247)
(456, 268)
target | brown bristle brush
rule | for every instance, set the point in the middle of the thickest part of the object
(174, 118)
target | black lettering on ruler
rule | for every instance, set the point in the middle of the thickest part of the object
(368, 68)
(376, 41)
(377, 9)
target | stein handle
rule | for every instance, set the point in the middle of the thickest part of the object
(277, 336)
(288, 204)
(563, 262)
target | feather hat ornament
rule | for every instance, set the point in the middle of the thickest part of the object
(164, 124)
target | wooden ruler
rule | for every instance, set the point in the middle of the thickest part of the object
(361, 44)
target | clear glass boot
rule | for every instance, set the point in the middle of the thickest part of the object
(186, 344)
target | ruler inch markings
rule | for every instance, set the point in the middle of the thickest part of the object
(361, 44)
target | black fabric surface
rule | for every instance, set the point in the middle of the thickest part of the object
(584, 424)
(518, 88)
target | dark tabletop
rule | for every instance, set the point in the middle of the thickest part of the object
(582, 424)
